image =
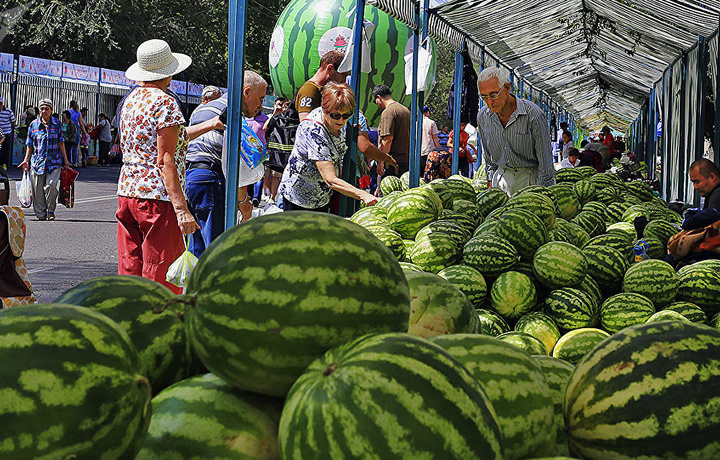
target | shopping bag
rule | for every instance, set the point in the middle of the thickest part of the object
(179, 271)
(66, 197)
(24, 190)
(424, 60)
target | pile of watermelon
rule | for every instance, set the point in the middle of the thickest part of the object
(450, 321)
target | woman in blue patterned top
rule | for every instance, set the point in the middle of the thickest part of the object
(314, 165)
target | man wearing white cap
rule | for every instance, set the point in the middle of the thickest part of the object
(7, 126)
(46, 155)
(210, 93)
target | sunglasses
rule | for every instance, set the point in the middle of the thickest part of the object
(338, 115)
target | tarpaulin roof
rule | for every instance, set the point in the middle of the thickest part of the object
(598, 59)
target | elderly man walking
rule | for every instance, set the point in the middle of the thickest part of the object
(515, 136)
(46, 155)
(7, 127)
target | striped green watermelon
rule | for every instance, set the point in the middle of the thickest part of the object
(585, 191)
(390, 184)
(408, 266)
(536, 203)
(701, 286)
(615, 211)
(640, 189)
(655, 210)
(305, 31)
(709, 263)
(370, 215)
(441, 188)
(490, 255)
(596, 207)
(70, 385)
(461, 190)
(568, 175)
(386, 201)
(572, 346)
(204, 417)
(614, 240)
(567, 200)
(512, 295)
(655, 248)
(578, 235)
(587, 171)
(571, 308)
(491, 323)
(624, 229)
(524, 341)
(271, 295)
(715, 322)
(624, 310)
(540, 326)
(557, 264)
(524, 410)
(608, 195)
(138, 305)
(469, 281)
(389, 395)
(654, 279)
(409, 245)
(468, 208)
(557, 374)
(389, 238)
(454, 230)
(589, 286)
(607, 266)
(667, 315)
(558, 234)
(660, 229)
(486, 227)
(490, 199)
(437, 307)
(458, 218)
(648, 391)
(631, 199)
(591, 222)
(633, 212)
(434, 251)
(689, 310)
(523, 230)
(413, 210)
(603, 180)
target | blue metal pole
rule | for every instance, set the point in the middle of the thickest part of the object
(456, 111)
(415, 165)
(347, 205)
(414, 158)
(522, 88)
(479, 140)
(236, 62)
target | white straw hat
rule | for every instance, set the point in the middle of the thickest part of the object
(156, 61)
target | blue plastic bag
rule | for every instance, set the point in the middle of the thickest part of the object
(252, 150)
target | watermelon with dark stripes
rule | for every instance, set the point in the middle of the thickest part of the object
(557, 374)
(437, 307)
(490, 255)
(655, 279)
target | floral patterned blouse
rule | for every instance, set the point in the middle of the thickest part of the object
(145, 112)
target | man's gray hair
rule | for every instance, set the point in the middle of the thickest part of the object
(500, 73)
(253, 79)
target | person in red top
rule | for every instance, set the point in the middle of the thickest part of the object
(465, 157)
(609, 140)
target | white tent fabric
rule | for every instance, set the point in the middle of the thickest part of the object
(597, 58)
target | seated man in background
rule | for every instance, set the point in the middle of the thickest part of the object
(572, 160)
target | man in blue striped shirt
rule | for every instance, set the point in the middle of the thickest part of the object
(515, 136)
(7, 126)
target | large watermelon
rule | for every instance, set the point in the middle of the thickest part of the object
(572, 346)
(523, 341)
(69, 385)
(390, 184)
(490, 255)
(689, 310)
(557, 264)
(454, 230)
(571, 308)
(625, 309)
(413, 210)
(648, 391)
(540, 326)
(567, 200)
(389, 395)
(305, 31)
(608, 266)
(523, 229)
(437, 307)
(491, 323)
(435, 251)
(524, 410)
(538, 204)
(513, 294)
(490, 199)
(389, 238)
(701, 286)
(469, 281)
(204, 417)
(655, 279)
(138, 305)
(557, 373)
(272, 294)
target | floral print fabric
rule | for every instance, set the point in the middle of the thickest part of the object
(145, 112)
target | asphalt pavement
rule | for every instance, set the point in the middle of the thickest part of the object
(81, 242)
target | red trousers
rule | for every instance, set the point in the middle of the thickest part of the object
(148, 238)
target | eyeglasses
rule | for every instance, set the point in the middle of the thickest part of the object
(494, 95)
(338, 115)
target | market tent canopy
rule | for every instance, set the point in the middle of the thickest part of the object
(598, 59)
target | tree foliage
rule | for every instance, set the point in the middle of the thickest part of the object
(106, 33)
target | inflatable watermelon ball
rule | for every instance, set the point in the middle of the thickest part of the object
(272, 294)
(306, 30)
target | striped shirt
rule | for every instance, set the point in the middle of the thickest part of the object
(207, 147)
(523, 143)
(7, 118)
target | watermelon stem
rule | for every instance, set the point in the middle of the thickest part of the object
(330, 369)
(187, 299)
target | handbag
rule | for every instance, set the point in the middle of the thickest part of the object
(24, 190)
(66, 196)
(707, 238)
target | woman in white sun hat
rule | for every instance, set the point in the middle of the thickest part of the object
(152, 210)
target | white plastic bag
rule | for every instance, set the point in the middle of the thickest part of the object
(179, 271)
(424, 60)
(24, 190)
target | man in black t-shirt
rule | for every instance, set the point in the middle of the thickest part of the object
(705, 177)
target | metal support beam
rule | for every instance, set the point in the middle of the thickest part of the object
(347, 205)
(414, 108)
(456, 111)
(236, 62)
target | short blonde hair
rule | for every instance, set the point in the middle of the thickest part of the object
(337, 96)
